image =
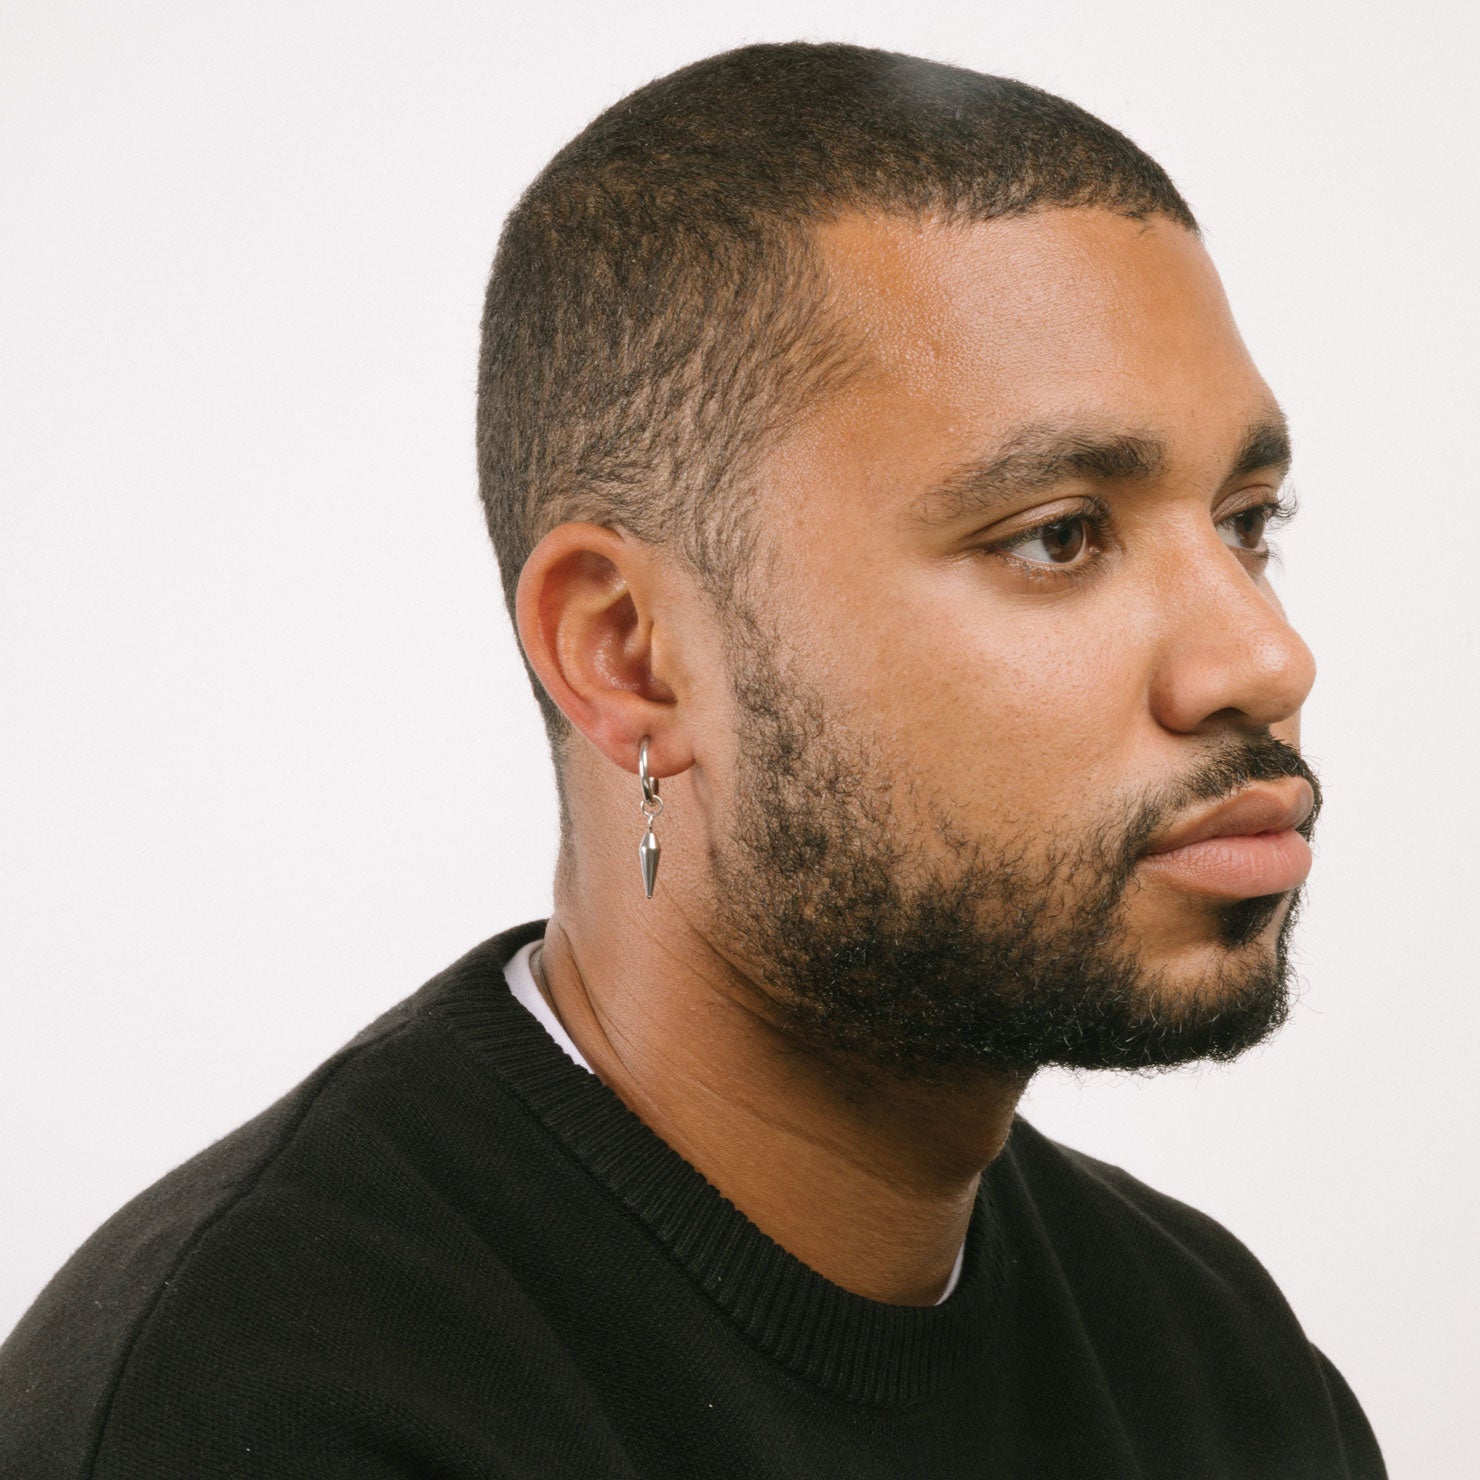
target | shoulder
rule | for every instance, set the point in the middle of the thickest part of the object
(1079, 1194)
(1172, 1303)
(250, 1281)
(1124, 1245)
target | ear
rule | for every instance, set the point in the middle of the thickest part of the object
(585, 609)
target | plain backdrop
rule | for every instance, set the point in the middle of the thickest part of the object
(267, 756)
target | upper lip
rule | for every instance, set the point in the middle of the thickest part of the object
(1267, 807)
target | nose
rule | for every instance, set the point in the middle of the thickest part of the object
(1228, 653)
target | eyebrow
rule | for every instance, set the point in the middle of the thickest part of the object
(1036, 458)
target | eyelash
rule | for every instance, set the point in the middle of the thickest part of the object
(1277, 512)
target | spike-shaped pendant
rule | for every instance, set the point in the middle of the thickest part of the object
(647, 851)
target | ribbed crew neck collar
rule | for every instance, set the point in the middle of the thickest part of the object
(861, 1350)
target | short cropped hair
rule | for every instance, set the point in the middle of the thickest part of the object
(654, 315)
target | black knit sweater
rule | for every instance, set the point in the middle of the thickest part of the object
(452, 1253)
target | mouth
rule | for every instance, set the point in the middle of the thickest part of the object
(1245, 847)
(1241, 867)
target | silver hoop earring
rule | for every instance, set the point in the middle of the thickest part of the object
(648, 849)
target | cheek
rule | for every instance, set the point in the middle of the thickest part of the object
(1028, 708)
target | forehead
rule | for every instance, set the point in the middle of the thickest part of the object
(966, 334)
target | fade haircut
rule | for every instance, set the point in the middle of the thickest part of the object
(655, 313)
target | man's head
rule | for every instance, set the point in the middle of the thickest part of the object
(658, 308)
(875, 437)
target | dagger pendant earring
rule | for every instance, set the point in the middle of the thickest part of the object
(648, 849)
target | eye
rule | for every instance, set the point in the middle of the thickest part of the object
(1246, 530)
(1064, 549)
(1062, 543)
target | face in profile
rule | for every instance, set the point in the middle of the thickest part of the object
(1008, 635)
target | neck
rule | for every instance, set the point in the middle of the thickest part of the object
(873, 1188)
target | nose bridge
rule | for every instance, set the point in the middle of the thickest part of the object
(1227, 644)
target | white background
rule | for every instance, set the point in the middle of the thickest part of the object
(268, 760)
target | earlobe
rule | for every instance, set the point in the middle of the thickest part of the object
(584, 610)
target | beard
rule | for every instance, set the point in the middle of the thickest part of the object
(916, 951)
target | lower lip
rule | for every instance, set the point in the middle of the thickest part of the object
(1241, 867)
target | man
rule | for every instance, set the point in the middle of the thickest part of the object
(882, 492)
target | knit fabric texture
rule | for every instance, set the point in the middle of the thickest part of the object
(451, 1254)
